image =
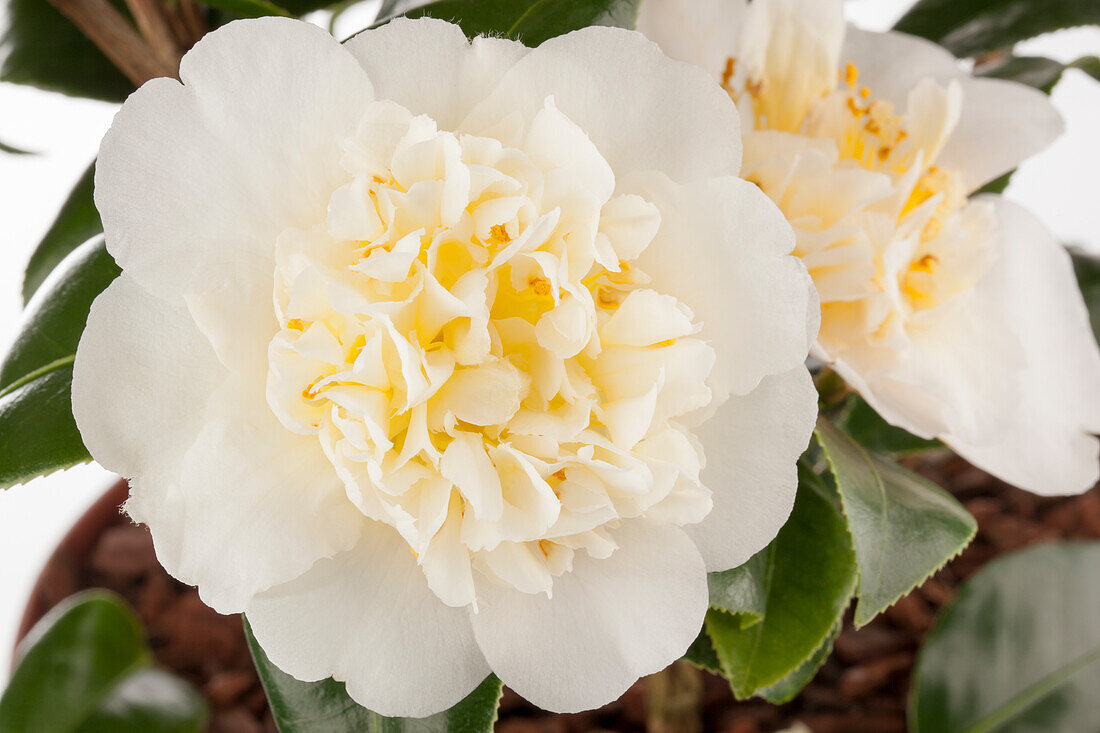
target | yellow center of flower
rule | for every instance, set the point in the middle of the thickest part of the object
(851, 224)
(481, 363)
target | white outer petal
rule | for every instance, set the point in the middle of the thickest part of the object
(1048, 444)
(723, 250)
(609, 622)
(643, 111)
(752, 447)
(251, 505)
(367, 617)
(196, 180)
(1002, 123)
(141, 381)
(700, 32)
(429, 67)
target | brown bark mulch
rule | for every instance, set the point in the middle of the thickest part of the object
(862, 687)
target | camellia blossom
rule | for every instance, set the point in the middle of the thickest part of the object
(440, 357)
(956, 316)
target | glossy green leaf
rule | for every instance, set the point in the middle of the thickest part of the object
(76, 223)
(530, 21)
(701, 653)
(1018, 650)
(53, 322)
(42, 48)
(38, 434)
(904, 528)
(788, 688)
(741, 591)
(248, 8)
(970, 27)
(1037, 71)
(860, 420)
(86, 668)
(324, 707)
(1087, 268)
(809, 579)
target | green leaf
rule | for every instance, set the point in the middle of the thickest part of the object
(904, 528)
(1037, 71)
(38, 434)
(788, 688)
(997, 185)
(324, 707)
(12, 150)
(248, 8)
(809, 579)
(37, 431)
(1087, 268)
(76, 223)
(86, 668)
(529, 21)
(53, 322)
(741, 591)
(860, 420)
(42, 48)
(701, 653)
(1018, 650)
(971, 27)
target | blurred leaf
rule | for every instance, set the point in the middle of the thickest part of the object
(324, 707)
(41, 48)
(788, 688)
(1018, 650)
(997, 185)
(248, 8)
(76, 223)
(1037, 71)
(10, 150)
(37, 431)
(1087, 268)
(810, 576)
(971, 27)
(530, 21)
(903, 526)
(85, 668)
(860, 420)
(53, 322)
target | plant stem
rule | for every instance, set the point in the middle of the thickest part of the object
(675, 700)
(106, 27)
(149, 15)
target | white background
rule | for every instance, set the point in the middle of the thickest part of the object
(1060, 186)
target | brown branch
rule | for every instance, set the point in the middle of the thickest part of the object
(192, 16)
(106, 27)
(151, 21)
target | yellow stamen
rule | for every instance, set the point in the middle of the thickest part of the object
(498, 234)
(296, 324)
(851, 74)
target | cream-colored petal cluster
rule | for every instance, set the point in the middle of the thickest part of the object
(486, 368)
(873, 145)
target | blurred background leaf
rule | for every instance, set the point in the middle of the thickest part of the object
(86, 668)
(76, 223)
(1087, 268)
(971, 27)
(41, 48)
(1017, 650)
(530, 21)
(38, 434)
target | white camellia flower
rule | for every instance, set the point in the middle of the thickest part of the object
(956, 317)
(439, 358)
